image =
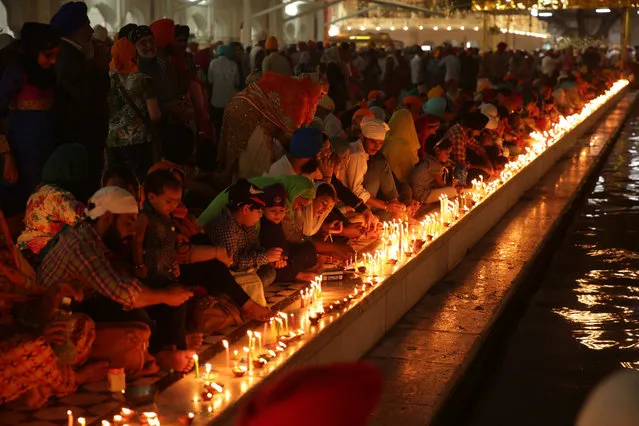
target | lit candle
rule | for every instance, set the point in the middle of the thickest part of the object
(247, 353)
(226, 347)
(106, 423)
(258, 336)
(69, 418)
(285, 318)
(208, 368)
(293, 321)
(249, 333)
(264, 334)
(117, 419)
(126, 413)
(196, 359)
(82, 421)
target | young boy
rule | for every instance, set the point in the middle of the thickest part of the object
(236, 230)
(300, 257)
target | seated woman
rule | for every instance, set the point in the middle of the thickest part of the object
(33, 362)
(300, 258)
(430, 179)
(57, 203)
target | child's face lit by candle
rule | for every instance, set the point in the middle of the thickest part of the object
(275, 214)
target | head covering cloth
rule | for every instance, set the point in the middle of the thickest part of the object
(295, 185)
(70, 17)
(401, 148)
(164, 32)
(140, 32)
(123, 57)
(112, 199)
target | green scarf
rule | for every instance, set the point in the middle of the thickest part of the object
(295, 185)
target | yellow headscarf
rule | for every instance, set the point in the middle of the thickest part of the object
(402, 145)
(436, 92)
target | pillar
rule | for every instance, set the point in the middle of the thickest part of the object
(211, 19)
(625, 36)
(320, 18)
(484, 34)
(246, 23)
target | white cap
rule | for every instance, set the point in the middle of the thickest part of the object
(261, 36)
(374, 128)
(483, 84)
(112, 199)
(490, 111)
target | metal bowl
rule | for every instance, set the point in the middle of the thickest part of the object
(137, 396)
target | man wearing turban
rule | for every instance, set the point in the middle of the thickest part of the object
(368, 175)
(81, 98)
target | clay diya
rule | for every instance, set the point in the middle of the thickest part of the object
(259, 363)
(239, 371)
(315, 317)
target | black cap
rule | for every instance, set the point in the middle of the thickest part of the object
(244, 192)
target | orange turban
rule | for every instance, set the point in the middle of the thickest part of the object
(391, 105)
(336, 395)
(124, 57)
(271, 43)
(164, 32)
(414, 105)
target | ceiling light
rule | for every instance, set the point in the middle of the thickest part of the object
(405, 28)
(462, 28)
(435, 28)
(421, 27)
(602, 10)
(392, 28)
(448, 28)
(349, 28)
(476, 28)
(545, 14)
(333, 31)
(378, 28)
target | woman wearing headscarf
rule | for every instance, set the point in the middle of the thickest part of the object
(26, 100)
(299, 192)
(44, 357)
(57, 203)
(402, 146)
(133, 107)
(269, 110)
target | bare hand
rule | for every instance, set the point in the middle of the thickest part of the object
(176, 296)
(57, 332)
(223, 256)
(335, 227)
(396, 207)
(10, 168)
(280, 264)
(370, 220)
(354, 230)
(274, 254)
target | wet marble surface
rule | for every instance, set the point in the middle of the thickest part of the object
(434, 341)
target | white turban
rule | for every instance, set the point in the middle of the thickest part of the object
(111, 199)
(490, 111)
(374, 128)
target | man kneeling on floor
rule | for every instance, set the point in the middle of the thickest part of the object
(80, 259)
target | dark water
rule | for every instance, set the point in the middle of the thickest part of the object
(583, 322)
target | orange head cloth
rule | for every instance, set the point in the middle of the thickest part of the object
(336, 395)
(414, 105)
(316, 87)
(391, 105)
(124, 57)
(359, 115)
(375, 95)
(164, 32)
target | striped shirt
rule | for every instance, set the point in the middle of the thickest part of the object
(79, 259)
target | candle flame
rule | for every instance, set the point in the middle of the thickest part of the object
(218, 388)
(191, 415)
(225, 343)
(195, 357)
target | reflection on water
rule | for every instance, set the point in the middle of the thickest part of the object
(600, 269)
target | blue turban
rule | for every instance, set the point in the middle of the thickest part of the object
(306, 143)
(435, 106)
(225, 50)
(70, 17)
